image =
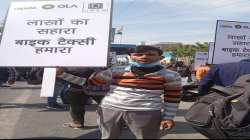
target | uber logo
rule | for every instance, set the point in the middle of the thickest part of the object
(95, 6)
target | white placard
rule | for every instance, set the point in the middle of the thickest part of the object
(48, 84)
(57, 33)
(200, 59)
(232, 42)
(210, 52)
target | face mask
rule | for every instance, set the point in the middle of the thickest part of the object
(137, 64)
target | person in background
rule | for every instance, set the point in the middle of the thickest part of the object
(22, 73)
(135, 96)
(77, 93)
(35, 76)
(201, 71)
(8, 74)
(184, 70)
(223, 75)
(61, 87)
(172, 65)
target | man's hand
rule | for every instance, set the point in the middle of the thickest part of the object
(11, 82)
(93, 81)
(166, 124)
(59, 71)
(101, 77)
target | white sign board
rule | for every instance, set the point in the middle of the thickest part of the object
(232, 42)
(200, 59)
(210, 52)
(48, 84)
(57, 33)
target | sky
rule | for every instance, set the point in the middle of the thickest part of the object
(155, 21)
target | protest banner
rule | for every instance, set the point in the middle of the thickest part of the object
(57, 33)
(232, 42)
(200, 59)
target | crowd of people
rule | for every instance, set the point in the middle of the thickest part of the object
(145, 97)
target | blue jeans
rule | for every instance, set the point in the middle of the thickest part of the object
(61, 88)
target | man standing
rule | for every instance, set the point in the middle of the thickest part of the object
(135, 98)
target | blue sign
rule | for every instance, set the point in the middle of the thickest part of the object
(167, 54)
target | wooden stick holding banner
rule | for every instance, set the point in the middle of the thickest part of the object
(48, 84)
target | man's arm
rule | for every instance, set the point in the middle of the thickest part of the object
(101, 77)
(172, 98)
(61, 73)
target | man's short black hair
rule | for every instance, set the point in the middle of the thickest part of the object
(145, 48)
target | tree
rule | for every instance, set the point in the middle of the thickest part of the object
(202, 46)
(186, 51)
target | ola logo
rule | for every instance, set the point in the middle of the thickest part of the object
(237, 26)
(48, 6)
